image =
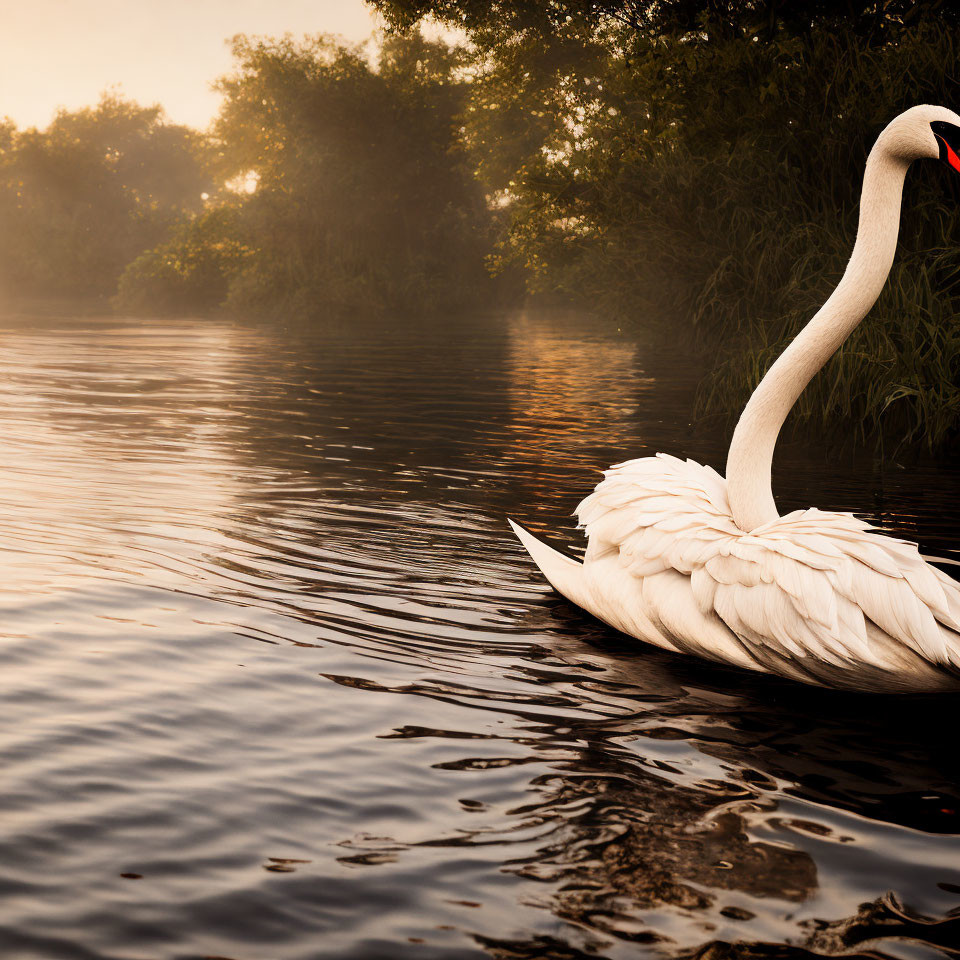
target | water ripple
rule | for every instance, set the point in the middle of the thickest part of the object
(279, 682)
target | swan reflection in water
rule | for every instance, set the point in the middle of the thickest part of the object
(694, 813)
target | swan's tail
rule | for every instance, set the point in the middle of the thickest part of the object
(565, 575)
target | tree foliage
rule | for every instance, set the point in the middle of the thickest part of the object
(360, 191)
(492, 24)
(81, 198)
(697, 165)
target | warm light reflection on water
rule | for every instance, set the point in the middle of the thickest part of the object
(114, 446)
(569, 387)
(279, 683)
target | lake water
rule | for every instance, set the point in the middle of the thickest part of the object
(279, 684)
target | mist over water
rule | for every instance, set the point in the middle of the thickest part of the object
(279, 682)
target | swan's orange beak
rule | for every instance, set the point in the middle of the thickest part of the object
(948, 136)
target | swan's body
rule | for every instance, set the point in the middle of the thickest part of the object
(682, 558)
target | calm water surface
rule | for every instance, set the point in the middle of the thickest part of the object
(279, 684)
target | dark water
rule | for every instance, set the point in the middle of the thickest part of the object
(277, 682)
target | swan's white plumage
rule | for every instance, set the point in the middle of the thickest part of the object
(692, 562)
(813, 595)
(804, 586)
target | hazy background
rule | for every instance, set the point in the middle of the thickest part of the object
(688, 168)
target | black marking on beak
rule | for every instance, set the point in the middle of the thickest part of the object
(948, 137)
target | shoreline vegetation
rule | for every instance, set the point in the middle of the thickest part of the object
(690, 169)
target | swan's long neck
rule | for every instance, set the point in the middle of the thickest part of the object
(751, 450)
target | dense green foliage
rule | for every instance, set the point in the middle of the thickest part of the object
(360, 193)
(493, 24)
(81, 198)
(698, 164)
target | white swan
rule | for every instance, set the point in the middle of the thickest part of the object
(682, 558)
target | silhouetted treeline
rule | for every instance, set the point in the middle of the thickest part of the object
(687, 165)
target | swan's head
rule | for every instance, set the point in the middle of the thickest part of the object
(924, 132)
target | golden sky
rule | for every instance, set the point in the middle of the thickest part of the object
(65, 52)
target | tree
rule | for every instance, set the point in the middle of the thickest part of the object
(349, 184)
(695, 164)
(491, 24)
(83, 197)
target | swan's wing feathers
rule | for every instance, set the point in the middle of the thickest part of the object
(811, 584)
(893, 605)
(652, 511)
(762, 617)
(811, 590)
(838, 575)
(729, 570)
(951, 594)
